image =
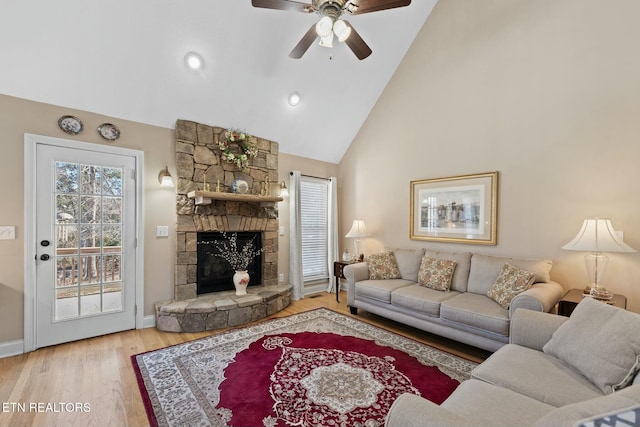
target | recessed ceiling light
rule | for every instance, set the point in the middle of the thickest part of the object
(294, 99)
(194, 60)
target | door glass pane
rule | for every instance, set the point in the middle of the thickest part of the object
(112, 209)
(112, 182)
(90, 209)
(88, 224)
(90, 179)
(66, 177)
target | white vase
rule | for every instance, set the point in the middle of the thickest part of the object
(241, 281)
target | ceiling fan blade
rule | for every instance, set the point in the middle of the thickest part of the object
(358, 7)
(356, 44)
(284, 5)
(304, 43)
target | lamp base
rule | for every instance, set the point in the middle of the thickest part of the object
(601, 294)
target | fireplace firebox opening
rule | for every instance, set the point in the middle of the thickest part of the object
(215, 274)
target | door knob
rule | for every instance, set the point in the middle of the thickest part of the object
(44, 257)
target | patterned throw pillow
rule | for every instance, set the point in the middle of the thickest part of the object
(383, 266)
(510, 282)
(436, 273)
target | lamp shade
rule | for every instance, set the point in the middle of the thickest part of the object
(597, 235)
(358, 229)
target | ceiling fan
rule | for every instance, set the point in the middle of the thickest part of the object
(330, 24)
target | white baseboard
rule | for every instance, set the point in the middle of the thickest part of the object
(14, 348)
(11, 348)
(149, 322)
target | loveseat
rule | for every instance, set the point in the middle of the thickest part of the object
(463, 312)
(556, 371)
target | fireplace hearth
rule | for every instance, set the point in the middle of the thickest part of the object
(215, 274)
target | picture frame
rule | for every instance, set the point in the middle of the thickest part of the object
(455, 209)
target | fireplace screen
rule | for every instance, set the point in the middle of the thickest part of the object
(214, 273)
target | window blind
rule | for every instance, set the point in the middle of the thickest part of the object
(314, 206)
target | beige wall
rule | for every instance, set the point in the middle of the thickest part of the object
(286, 164)
(547, 93)
(19, 116)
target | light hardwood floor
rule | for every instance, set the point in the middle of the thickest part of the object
(97, 373)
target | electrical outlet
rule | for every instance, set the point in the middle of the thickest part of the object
(7, 232)
(281, 277)
(162, 231)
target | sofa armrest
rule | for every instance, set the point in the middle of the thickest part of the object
(541, 296)
(410, 410)
(354, 273)
(533, 328)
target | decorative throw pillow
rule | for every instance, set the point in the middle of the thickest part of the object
(436, 273)
(383, 266)
(511, 281)
(599, 341)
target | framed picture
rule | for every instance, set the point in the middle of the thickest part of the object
(458, 209)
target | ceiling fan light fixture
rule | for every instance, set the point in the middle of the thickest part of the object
(327, 41)
(194, 60)
(341, 30)
(324, 26)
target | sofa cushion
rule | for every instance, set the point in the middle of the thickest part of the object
(511, 281)
(485, 269)
(486, 404)
(408, 261)
(478, 311)
(599, 335)
(535, 374)
(421, 299)
(590, 410)
(383, 266)
(436, 273)
(380, 290)
(461, 273)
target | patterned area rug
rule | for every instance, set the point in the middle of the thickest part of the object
(318, 368)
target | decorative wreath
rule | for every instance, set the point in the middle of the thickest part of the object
(247, 146)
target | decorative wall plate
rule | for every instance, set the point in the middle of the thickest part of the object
(240, 186)
(109, 132)
(70, 124)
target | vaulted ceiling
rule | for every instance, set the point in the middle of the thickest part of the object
(126, 59)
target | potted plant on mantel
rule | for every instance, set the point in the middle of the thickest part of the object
(239, 259)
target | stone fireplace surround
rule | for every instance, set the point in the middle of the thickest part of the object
(197, 160)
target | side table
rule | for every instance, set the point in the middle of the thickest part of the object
(573, 297)
(338, 273)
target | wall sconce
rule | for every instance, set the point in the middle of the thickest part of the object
(284, 191)
(164, 177)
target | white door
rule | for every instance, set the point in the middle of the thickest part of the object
(85, 229)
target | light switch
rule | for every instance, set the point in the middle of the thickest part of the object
(281, 230)
(7, 232)
(162, 231)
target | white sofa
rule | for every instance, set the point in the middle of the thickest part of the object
(464, 313)
(580, 371)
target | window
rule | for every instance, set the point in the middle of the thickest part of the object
(314, 220)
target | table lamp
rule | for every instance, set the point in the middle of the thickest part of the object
(358, 230)
(597, 236)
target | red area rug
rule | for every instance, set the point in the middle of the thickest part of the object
(318, 368)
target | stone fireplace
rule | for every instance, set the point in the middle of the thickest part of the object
(203, 212)
(198, 161)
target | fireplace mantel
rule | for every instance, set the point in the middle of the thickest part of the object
(204, 197)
